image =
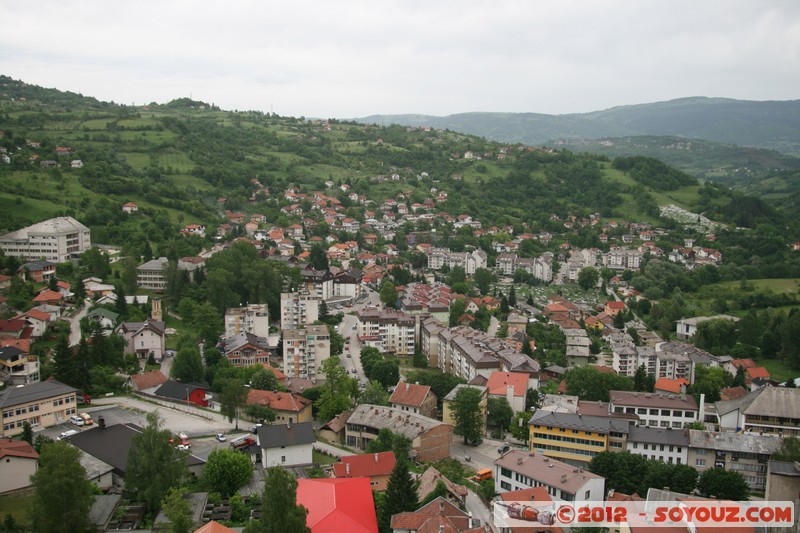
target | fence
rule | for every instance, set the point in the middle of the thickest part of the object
(178, 405)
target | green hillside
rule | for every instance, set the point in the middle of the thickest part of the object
(178, 159)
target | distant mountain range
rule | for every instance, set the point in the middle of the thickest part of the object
(773, 125)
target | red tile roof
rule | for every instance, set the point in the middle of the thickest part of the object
(615, 305)
(214, 527)
(337, 505)
(536, 495)
(365, 465)
(438, 516)
(279, 401)
(17, 448)
(757, 372)
(148, 379)
(12, 326)
(410, 394)
(48, 296)
(671, 385)
(732, 393)
(280, 376)
(38, 315)
(499, 381)
(745, 363)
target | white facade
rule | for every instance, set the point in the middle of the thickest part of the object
(518, 470)
(663, 444)
(656, 409)
(392, 332)
(56, 239)
(304, 350)
(253, 318)
(469, 261)
(298, 309)
(153, 274)
(299, 454)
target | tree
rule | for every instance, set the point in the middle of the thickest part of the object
(789, 450)
(388, 294)
(401, 495)
(264, 380)
(318, 258)
(709, 381)
(280, 512)
(519, 427)
(120, 304)
(640, 379)
(187, 365)
(623, 470)
(589, 384)
(260, 413)
(374, 394)
(154, 466)
(27, 433)
(483, 279)
(62, 494)
(499, 413)
(387, 441)
(337, 392)
(233, 398)
(63, 362)
(587, 278)
(226, 471)
(723, 485)
(467, 414)
(176, 508)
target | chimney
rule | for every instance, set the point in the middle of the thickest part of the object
(611, 493)
(563, 478)
(347, 469)
(510, 394)
(470, 520)
(701, 415)
(407, 387)
(289, 424)
(376, 457)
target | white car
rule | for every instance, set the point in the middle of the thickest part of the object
(182, 447)
(220, 437)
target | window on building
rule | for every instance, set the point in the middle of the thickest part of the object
(283, 458)
(699, 462)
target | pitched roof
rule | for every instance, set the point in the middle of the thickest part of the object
(17, 448)
(279, 401)
(148, 379)
(410, 394)
(33, 392)
(48, 296)
(500, 381)
(438, 516)
(177, 390)
(732, 393)
(546, 470)
(338, 422)
(37, 315)
(405, 423)
(426, 483)
(281, 435)
(780, 402)
(337, 505)
(671, 385)
(239, 340)
(650, 399)
(214, 527)
(365, 465)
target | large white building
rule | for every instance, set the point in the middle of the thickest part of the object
(517, 470)
(299, 309)
(253, 318)
(152, 275)
(388, 330)
(304, 350)
(469, 261)
(56, 239)
(656, 409)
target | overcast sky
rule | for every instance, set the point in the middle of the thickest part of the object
(352, 58)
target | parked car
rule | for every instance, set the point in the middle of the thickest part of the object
(476, 442)
(78, 421)
(67, 434)
(504, 448)
(183, 447)
(220, 437)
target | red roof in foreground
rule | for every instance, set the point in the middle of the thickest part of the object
(409, 394)
(17, 448)
(279, 401)
(499, 382)
(671, 385)
(337, 505)
(365, 465)
(148, 379)
(214, 527)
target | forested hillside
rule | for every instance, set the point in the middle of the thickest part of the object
(186, 162)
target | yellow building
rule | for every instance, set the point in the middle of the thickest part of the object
(576, 438)
(447, 403)
(42, 405)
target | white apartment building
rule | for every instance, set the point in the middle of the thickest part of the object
(56, 239)
(469, 261)
(299, 309)
(540, 268)
(388, 330)
(656, 409)
(252, 318)
(153, 274)
(623, 259)
(42, 405)
(304, 350)
(663, 444)
(517, 470)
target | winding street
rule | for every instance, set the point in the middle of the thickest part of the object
(75, 323)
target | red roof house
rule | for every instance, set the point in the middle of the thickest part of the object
(438, 516)
(414, 398)
(18, 462)
(288, 407)
(510, 385)
(614, 308)
(337, 505)
(675, 386)
(376, 466)
(148, 380)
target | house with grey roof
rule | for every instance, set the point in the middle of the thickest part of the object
(245, 349)
(152, 275)
(663, 444)
(518, 470)
(144, 338)
(42, 404)
(764, 410)
(106, 318)
(286, 444)
(430, 439)
(746, 453)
